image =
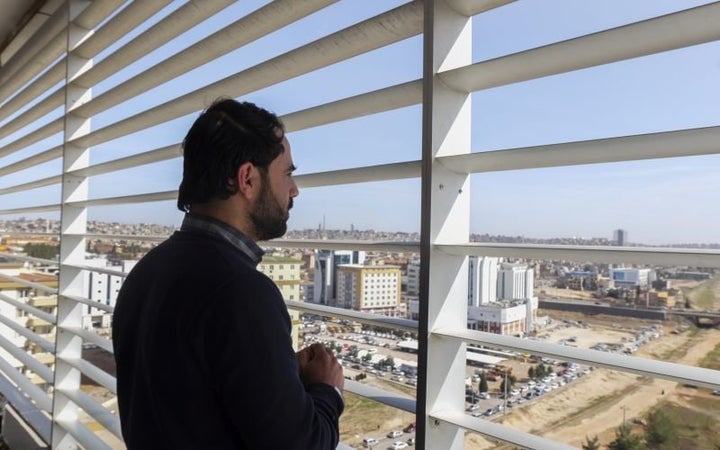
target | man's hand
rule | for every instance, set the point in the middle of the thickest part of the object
(317, 364)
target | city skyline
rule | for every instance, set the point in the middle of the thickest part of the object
(323, 232)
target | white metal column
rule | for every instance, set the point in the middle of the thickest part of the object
(68, 346)
(447, 119)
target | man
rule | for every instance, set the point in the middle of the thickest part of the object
(202, 338)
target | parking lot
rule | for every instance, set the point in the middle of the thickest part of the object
(363, 351)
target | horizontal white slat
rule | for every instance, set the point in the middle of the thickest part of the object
(671, 144)
(92, 371)
(472, 7)
(399, 401)
(149, 157)
(132, 15)
(128, 199)
(34, 233)
(20, 404)
(89, 336)
(27, 359)
(41, 399)
(637, 255)
(40, 314)
(339, 244)
(358, 316)
(95, 410)
(393, 26)
(123, 237)
(696, 376)
(105, 270)
(385, 172)
(245, 30)
(32, 185)
(29, 116)
(87, 301)
(381, 100)
(38, 286)
(85, 437)
(96, 12)
(26, 333)
(32, 91)
(35, 55)
(497, 431)
(673, 31)
(31, 161)
(29, 258)
(27, 140)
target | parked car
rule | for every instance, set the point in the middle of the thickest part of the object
(398, 444)
(369, 442)
(410, 428)
(394, 434)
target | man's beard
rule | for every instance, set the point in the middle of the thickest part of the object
(268, 218)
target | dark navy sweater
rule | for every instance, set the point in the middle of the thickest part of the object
(204, 357)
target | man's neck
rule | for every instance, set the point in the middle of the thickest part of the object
(225, 211)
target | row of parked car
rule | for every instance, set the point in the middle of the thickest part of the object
(370, 442)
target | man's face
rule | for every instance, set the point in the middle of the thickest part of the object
(272, 208)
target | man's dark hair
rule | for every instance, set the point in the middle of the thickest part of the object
(225, 136)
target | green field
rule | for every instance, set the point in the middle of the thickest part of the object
(695, 429)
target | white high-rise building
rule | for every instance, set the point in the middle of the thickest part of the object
(515, 282)
(326, 264)
(102, 287)
(482, 280)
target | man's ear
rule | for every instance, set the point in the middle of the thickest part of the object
(248, 179)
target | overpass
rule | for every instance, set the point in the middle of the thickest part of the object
(700, 318)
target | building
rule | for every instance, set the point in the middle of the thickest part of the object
(285, 272)
(515, 282)
(374, 289)
(482, 280)
(620, 237)
(632, 278)
(508, 318)
(102, 287)
(412, 278)
(13, 290)
(325, 274)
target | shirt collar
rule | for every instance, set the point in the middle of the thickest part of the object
(235, 237)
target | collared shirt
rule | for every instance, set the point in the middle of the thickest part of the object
(235, 237)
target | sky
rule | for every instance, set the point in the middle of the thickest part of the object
(656, 201)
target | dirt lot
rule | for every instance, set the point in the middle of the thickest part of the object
(597, 403)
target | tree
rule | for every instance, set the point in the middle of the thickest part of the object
(483, 385)
(660, 431)
(511, 382)
(591, 444)
(389, 361)
(44, 251)
(625, 440)
(366, 357)
(531, 372)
